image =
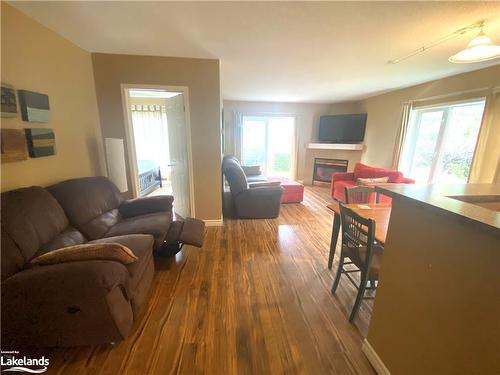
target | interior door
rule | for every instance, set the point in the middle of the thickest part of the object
(177, 140)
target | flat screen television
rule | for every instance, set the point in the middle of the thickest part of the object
(342, 128)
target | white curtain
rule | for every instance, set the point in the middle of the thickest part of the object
(486, 162)
(403, 131)
(151, 135)
(232, 123)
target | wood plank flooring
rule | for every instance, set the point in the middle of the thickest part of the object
(255, 300)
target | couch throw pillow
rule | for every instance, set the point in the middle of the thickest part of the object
(98, 251)
(380, 180)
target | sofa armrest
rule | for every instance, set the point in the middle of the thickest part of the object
(343, 176)
(251, 170)
(406, 180)
(98, 275)
(264, 184)
(146, 205)
(76, 303)
(258, 191)
(259, 202)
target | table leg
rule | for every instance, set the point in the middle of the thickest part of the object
(334, 239)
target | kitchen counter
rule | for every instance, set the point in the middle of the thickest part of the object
(436, 309)
(475, 203)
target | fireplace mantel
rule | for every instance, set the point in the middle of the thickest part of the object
(335, 146)
(351, 152)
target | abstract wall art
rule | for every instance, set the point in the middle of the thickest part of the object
(8, 106)
(13, 145)
(34, 106)
(41, 142)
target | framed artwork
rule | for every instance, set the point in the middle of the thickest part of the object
(41, 142)
(13, 145)
(9, 105)
(34, 106)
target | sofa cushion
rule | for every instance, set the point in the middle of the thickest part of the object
(146, 205)
(90, 251)
(31, 217)
(12, 258)
(97, 227)
(156, 225)
(69, 237)
(91, 204)
(365, 171)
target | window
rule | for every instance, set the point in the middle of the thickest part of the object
(441, 142)
(269, 141)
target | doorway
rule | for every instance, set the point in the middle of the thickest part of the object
(269, 141)
(159, 143)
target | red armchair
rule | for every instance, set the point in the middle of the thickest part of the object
(342, 180)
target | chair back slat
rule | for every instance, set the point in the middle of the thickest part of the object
(357, 231)
(360, 194)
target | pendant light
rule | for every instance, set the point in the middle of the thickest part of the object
(479, 49)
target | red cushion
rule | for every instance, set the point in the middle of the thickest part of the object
(365, 171)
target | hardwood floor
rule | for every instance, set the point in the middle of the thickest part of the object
(255, 300)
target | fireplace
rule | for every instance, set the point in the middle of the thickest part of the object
(325, 168)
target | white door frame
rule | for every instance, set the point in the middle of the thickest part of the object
(132, 156)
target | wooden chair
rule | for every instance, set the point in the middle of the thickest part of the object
(358, 236)
(359, 194)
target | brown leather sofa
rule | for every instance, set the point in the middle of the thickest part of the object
(82, 302)
(259, 200)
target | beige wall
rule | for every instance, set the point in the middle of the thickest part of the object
(201, 76)
(384, 111)
(307, 115)
(37, 59)
(437, 307)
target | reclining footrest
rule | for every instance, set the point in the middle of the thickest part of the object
(190, 231)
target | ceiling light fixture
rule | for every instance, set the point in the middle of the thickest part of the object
(484, 43)
(479, 49)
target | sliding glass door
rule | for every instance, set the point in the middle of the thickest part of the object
(441, 142)
(269, 141)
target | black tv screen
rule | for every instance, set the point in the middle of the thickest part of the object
(342, 128)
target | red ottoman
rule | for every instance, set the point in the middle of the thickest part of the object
(293, 192)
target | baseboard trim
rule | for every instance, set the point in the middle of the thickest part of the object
(374, 359)
(214, 223)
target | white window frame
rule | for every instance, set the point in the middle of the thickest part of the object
(266, 117)
(415, 123)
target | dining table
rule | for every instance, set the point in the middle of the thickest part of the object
(379, 212)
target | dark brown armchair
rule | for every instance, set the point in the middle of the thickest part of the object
(261, 200)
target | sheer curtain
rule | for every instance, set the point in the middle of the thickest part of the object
(486, 161)
(151, 134)
(403, 130)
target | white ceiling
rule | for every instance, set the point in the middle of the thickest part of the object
(282, 51)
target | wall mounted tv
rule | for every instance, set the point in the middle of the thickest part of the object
(342, 128)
